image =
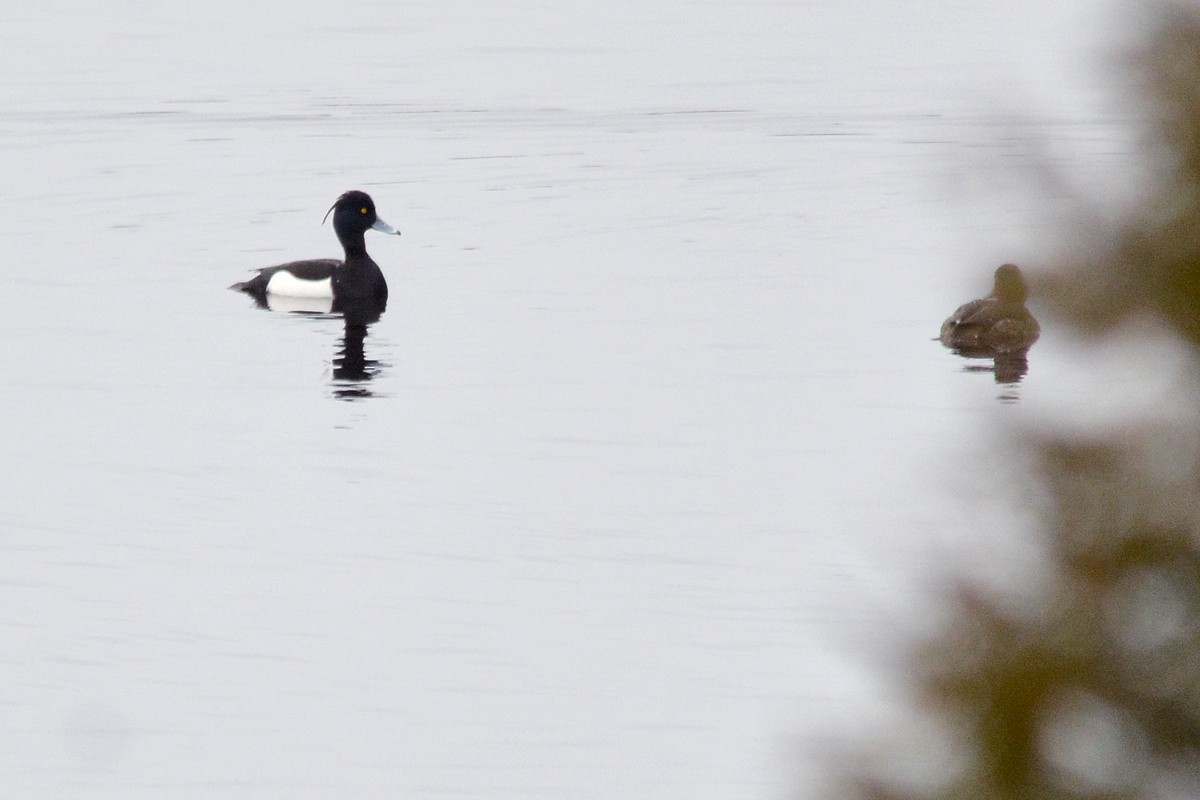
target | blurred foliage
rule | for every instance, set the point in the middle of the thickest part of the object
(1093, 691)
(1089, 686)
(1152, 260)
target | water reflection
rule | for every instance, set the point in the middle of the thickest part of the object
(352, 370)
(1007, 368)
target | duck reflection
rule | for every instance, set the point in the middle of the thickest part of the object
(352, 370)
(997, 327)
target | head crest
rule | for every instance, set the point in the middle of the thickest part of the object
(352, 197)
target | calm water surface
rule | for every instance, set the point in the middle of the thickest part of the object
(651, 439)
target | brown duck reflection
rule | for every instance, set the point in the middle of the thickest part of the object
(998, 327)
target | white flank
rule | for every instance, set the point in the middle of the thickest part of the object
(285, 283)
(290, 303)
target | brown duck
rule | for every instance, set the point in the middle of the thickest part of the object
(993, 325)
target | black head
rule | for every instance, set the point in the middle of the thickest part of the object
(1010, 284)
(354, 214)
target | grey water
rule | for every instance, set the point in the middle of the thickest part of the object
(652, 441)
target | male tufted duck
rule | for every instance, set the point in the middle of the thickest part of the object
(357, 278)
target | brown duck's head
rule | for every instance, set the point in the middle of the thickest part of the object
(1010, 284)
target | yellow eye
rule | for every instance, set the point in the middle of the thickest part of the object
(363, 210)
